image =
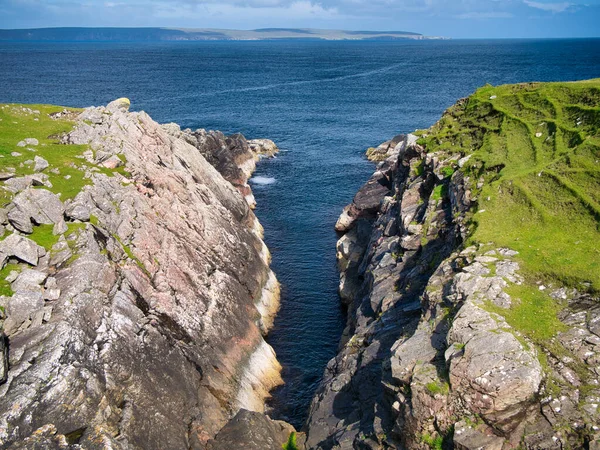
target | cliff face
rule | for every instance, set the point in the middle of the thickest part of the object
(136, 287)
(469, 266)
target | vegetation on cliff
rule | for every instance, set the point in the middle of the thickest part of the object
(535, 147)
(470, 266)
(533, 160)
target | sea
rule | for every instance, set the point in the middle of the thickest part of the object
(323, 103)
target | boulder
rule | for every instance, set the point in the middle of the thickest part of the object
(473, 437)
(18, 184)
(29, 279)
(40, 164)
(22, 306)
(493, 373)
(21, 248)
(20, 220)
(112, 162)
(80, 207)
(252, 431)
(28, 141)
(39, 205)
(120, 104)
(263, 147)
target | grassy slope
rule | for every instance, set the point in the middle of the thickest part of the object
(66, 169)
(537, 147)
(17, 124)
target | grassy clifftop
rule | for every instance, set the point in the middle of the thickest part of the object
(535, 170)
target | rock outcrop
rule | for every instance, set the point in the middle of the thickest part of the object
(233, 156)
(449, 342)
(253, 431)
(134, 308)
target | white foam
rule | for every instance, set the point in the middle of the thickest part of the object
(262, 180)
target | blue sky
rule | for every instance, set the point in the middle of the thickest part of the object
(452, 18)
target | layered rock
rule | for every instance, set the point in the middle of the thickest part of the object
(139, 321)
(233, 156)
(428, 359)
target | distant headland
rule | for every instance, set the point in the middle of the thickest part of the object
(199, 34)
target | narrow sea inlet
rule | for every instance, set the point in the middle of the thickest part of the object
(324, 104)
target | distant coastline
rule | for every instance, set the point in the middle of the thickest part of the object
(200, 34)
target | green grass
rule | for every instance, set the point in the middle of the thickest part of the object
(439, 192)
(447, 171)
(533, 313)
(42, 235)
(5, 288)
(291, 443)
(17, 125)
(537, 148)
(438, 388)
(544, 191)
(434, 442)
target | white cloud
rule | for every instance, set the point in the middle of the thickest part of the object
(485, 15)
(302, 9)
(551, 7)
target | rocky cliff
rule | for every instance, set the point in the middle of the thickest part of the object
(469, 264)
(135, 286)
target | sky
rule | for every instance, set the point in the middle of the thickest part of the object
(449, 18)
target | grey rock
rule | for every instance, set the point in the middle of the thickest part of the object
(51, 294)
(112, 162)
(40, 205)
(61, 253)
(60, 227)
(407, 353)
(29, 279)
(45, 438)
(493, 373)
(263, 147)
(80, 208)
(121, 104)
(21, 307)
(12, 276)
(40, 164)
(28, 141)
(153, 333)
(22, 248)
(252, 431)
(18, 184)
(468, 437)
(20, 220)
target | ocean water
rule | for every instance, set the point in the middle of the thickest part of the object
(323, 103)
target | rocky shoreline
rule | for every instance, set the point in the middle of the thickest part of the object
(137, 319)
(450, 342)
(136, 290)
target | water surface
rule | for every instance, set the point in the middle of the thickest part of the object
(323, 103)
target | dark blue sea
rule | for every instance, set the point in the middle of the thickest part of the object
(323, 103)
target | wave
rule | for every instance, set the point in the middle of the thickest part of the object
(302, 82)
(262, 180)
